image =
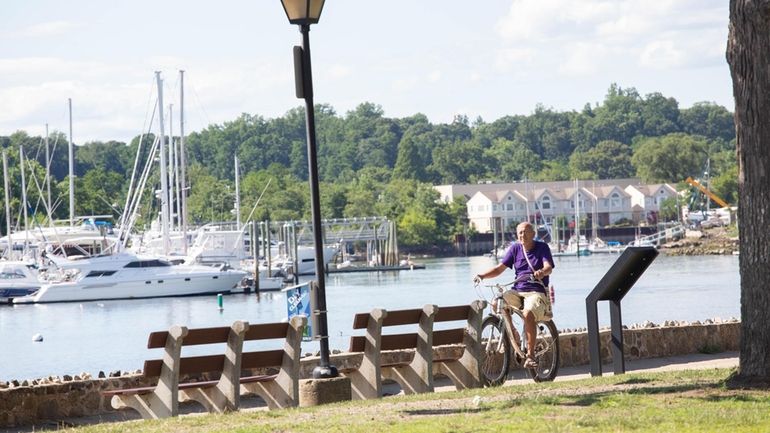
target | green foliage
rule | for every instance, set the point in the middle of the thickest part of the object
(725, 185)
(370, 164)
(670, 158)
(669, 209)
(608, 160)
(416, 228)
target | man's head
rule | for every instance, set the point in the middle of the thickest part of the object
(525, 233)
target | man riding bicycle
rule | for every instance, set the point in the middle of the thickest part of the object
(533, 263)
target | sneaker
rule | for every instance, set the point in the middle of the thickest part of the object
(530, 363)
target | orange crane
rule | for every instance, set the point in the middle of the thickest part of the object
(710, 194)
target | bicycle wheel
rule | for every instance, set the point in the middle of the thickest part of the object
(546, 353)
(496, 356)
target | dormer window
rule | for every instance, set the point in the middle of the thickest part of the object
(545, 202)
(615, 200)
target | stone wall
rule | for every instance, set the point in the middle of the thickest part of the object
(54, 399)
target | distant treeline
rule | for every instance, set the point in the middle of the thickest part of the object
(370, 164)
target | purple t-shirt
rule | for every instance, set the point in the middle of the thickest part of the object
(514, 259)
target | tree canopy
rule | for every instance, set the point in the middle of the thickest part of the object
(371, 164)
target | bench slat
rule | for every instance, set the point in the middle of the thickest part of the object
(263, 378)
(266, 331)
(449, 314)
(409, 341)
(188, 365)
(448, 336)
(360, 320)
(194, 337)
(398, 317)
(265, 358)
(402, 317)
(388, 342)
(209, 363)
(188, 385)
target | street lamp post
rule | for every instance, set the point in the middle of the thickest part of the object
(303, 13)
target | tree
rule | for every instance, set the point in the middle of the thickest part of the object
(748, 54)
(709, 119)
(671, 158)
(411, 162)
(511, 161)
(608, 160)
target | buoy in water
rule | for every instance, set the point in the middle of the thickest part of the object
(220, 301)
(37, 338)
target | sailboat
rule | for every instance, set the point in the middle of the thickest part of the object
(126, 275)
(577, 245)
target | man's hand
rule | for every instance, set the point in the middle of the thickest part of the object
(477, 279)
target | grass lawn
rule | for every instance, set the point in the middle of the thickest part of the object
(681, 401)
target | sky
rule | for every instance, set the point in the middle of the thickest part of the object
(441, 58)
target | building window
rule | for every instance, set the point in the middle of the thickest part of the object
(546, 202)
(509, 206)
(615, 200)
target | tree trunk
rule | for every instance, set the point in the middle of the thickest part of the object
(748, 54)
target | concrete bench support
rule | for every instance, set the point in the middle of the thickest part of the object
(466, 372)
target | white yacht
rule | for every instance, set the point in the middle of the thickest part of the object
(88, 230)
(127, 276)
(17, 279)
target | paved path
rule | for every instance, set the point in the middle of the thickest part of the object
(683, 362)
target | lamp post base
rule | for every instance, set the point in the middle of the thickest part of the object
(327, 372)
(313, 392)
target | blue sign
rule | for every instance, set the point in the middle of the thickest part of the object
(298, 301)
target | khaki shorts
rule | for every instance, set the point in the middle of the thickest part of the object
(536, 302)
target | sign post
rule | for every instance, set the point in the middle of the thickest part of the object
(613, 287)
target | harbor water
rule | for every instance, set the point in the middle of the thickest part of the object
(112, 335)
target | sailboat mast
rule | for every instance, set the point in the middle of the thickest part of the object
(7, 198)
(48, 172)
(72, 169)
(182, 162)
(171, 166)
(163, 175)
(577, 218)
(24, 196)
(237, 194)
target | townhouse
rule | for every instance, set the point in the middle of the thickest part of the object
(605, 201)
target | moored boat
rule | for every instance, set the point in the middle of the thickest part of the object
(128, 276)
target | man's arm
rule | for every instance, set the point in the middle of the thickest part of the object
(493, 272)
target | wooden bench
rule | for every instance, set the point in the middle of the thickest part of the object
(415, 374)
(278, 390)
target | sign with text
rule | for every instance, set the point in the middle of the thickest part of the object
(300, 300)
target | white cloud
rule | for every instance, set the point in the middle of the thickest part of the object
(434, 77)
(47, 29)
(583, 59)
(538, 19)
(339, 71)
(662, 34)
(508, 59)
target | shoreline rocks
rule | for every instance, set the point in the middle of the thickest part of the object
(713, 241)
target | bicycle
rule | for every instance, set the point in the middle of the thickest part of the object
(499, 339)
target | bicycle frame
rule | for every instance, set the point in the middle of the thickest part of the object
(546, 345)
(499, 310)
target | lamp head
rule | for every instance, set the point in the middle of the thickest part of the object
(303, 12)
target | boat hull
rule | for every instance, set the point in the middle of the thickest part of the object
(154, 286)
